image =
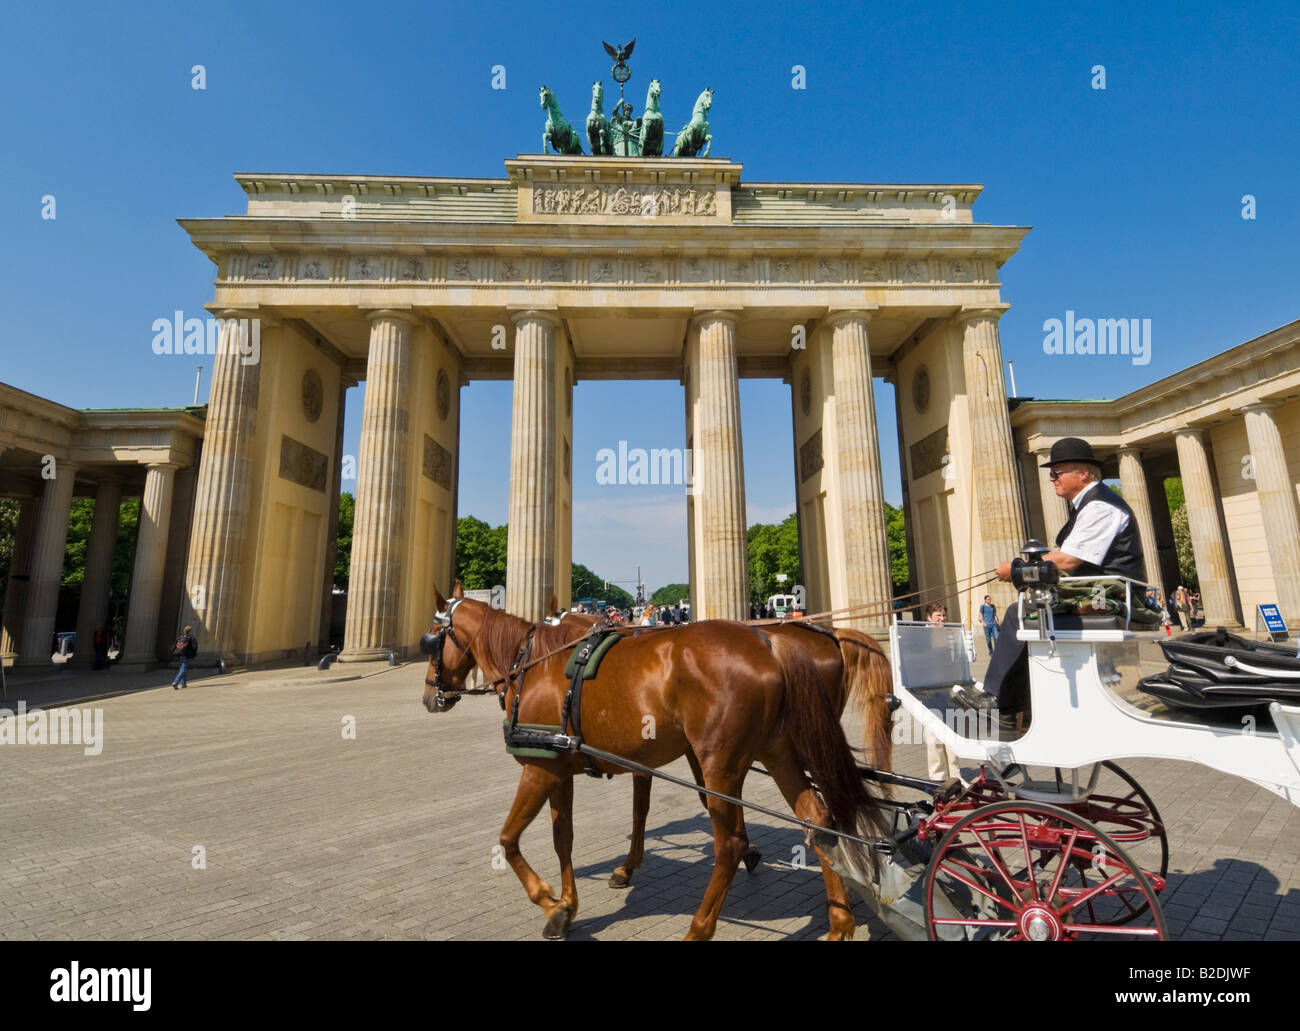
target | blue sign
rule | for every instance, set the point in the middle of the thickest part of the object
(1273, 620)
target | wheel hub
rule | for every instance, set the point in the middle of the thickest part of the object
(1038, 924)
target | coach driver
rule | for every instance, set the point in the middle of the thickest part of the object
(1099, 539)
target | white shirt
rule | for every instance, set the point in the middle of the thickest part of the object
(1094, 531)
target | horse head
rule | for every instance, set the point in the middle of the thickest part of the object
(448, 644)
(704, 101)
(597, 97)
(652, 96)
(547, 97)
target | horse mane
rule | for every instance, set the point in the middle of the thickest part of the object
(498, 640)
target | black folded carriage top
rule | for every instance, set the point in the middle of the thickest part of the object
(1218, 670)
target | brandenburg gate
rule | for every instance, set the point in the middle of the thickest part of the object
(576, 268)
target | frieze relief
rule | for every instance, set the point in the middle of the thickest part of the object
(608, 199)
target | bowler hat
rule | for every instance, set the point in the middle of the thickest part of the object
(1071, 449)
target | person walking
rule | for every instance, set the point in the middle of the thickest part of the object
(186, 648)
(989, 620)
(941, 764)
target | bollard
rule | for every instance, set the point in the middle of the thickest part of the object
(392, 659)
(326, 659)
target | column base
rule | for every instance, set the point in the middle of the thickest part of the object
(368, 654)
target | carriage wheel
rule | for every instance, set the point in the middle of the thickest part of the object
(1008, 871)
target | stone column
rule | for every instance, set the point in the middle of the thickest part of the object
(1056, 510)
(861, 491)
(214, 570)
(140, 646)
(1277, 504)
(721, 556)
(332, 530)
(530, 554)
(20, 571)
(379, 527)
(97, 578)
(34, 647)
(1133, 484)
(998, 510)
(1203, 523)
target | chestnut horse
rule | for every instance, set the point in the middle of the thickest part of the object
(720, 689)
(866, 678)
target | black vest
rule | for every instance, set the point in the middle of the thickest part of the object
(1124, 557)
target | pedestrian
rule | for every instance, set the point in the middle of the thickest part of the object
(1171, 604)
(989, 620)
(1184, 607)
(1198, 617)
(99, 644)
(941, 764)
(186, 648)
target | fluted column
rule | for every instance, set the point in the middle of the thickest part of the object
(1277, 504)
(379, 528)
(214, 570)
(861, 499)
(1203, 524)
(1056, 510)
(1133, 485)
(34, 647)
(140, 646)
(97, 578)
(721, 556)
(530, 547)
(18, 587)
(993, 466)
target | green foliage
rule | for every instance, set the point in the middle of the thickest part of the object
(896, 530)
(10, 508)
(772, 550)
(480, 554)
(671, 594)
(128, 523)
(343, 556)
(1174, 493)
(74, 558)
(586, 584)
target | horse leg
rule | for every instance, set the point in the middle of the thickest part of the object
(622, 875)
(752, 856)
(559, 918)
(799, 793)
(728, 845)
(535, 786)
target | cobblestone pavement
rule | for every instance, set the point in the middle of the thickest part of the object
(306, 834)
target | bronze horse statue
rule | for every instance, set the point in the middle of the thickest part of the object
(597, 124)
(721, 690)
(562, 137)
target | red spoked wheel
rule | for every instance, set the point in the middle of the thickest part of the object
(1010, 872)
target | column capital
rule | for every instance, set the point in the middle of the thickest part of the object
(163, 467)
(864, 314)
(1129, 449)
(547, 315)
(250, 312)
(395, 314)
(1194, 432)
(980, 311)
(1259, 405)
(703, 315)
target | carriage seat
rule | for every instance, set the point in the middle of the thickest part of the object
(1099, 603)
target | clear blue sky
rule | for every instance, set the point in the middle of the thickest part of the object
(1134, 192)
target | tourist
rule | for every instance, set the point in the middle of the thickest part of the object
(186, 648)
(941, 765)
(99, 644)
(989, 621)
(1184, 607)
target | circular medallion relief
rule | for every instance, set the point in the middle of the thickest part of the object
(921, 389)
(805, 391)
(313, 395)
(444, 394)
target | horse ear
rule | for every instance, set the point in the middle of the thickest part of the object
(458, 591)
(439, 602)
(553, 605)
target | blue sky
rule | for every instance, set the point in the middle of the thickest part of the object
(1134, 193)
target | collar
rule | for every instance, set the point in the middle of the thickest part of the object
(1077, 500)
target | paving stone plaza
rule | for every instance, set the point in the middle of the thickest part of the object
(304, 834)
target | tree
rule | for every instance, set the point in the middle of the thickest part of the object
(1182, 534)
(586, 584)
(896, 530)
(343, 555)
(480, 554)
(671, 594)
(773, 549)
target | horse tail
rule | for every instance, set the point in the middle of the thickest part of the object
(818, 739)
(869, 680)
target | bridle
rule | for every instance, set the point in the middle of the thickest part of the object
(431, 644)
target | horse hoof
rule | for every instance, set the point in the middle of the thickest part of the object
(620, 878)
(751, 859)
(557, 925)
